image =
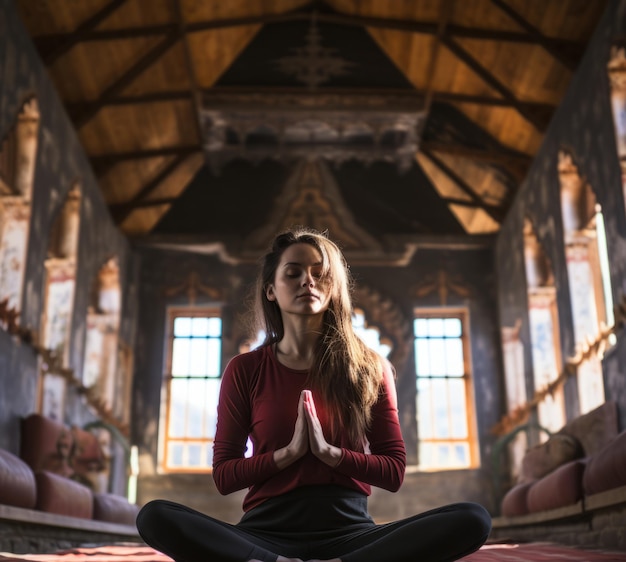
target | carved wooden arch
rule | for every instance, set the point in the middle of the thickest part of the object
(384, 314)
(578, 200)
(18, 150)
(64, 234)
(539, 271)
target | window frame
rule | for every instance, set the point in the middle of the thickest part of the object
(173, 312)
(472, 439)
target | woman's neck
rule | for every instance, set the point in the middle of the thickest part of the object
(297, 347)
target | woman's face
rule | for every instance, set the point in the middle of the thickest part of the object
(298, 287)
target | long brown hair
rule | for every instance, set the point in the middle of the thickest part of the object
(345, 372)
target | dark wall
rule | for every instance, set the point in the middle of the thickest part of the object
(583, 124)
(60, 163)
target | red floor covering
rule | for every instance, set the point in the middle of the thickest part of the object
(533, 552)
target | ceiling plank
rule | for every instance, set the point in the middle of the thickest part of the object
(563, 56)
(537, 119)
(101, 163)
(445, 13)
(121, 211)
(50, 55)
(195, 94)
(495, 212)
(513, 160)
(80, 120)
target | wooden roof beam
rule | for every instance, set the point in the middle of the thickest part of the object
(101, 163)
(121, 211)
(564, 56)
(539, 121)
(127, 78)
(45, 42)
(495, 212)
(50, 55)
(516, 162)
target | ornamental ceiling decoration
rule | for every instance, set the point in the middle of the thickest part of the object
(308, 119)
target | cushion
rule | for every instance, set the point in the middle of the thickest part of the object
(46, 444)
(543, 459)
(17, 482)
(515, 501)
(560, 488)
(114, 509)
(87, 454)
(594, 429)
(607, 468)
(60, 495)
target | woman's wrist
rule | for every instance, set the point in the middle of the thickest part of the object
(332, 456)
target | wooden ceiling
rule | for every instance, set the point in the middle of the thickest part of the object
(133, 75)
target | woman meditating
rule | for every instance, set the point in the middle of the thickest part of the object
(320, 409)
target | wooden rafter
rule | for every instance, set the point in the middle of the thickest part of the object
(500, 156)
(50, 55)
(539, 121)
(126, 79)
(558, 52)
(494, 211)
(438, 95)
(101, 163)
(412, 26)
(121, 211)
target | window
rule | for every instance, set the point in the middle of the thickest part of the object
(544, 330)
(445, 404)
(588, 274)
(192, 386)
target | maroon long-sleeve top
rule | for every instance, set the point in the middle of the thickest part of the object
(259, 399)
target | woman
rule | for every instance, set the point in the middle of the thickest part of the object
(320, 409)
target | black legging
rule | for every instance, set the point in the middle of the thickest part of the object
(320, 522)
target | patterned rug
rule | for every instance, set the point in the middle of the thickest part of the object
(533, 552)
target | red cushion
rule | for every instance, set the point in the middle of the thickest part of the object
(87, 455)
(607, 468)
(515, 501)
(114, 508)
(560, 488)
(17, 482)
(46, 444)
(60, 495)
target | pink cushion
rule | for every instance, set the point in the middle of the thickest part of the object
(17, 482)
(60, 495)
(46, 444)
(607, 468)
(114, 508)
(560, 488)
(515, 501)
(87, 455)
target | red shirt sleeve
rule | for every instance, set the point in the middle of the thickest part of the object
(231, 470)
(384, 465)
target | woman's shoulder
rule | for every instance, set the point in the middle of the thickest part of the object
(247, 361)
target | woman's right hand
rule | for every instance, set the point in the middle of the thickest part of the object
(299, 444)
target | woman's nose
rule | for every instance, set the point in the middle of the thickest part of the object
(308, 280)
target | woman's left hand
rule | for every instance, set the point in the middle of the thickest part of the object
(327, 453)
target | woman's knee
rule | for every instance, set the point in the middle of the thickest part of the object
(477, 517)
(153, 516)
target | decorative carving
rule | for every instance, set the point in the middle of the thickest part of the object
(311, 198)
(192, 285)
(337, 125)
(313, 64)
(384, 314)
(442, 283)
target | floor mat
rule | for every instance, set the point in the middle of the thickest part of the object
(533, 552)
